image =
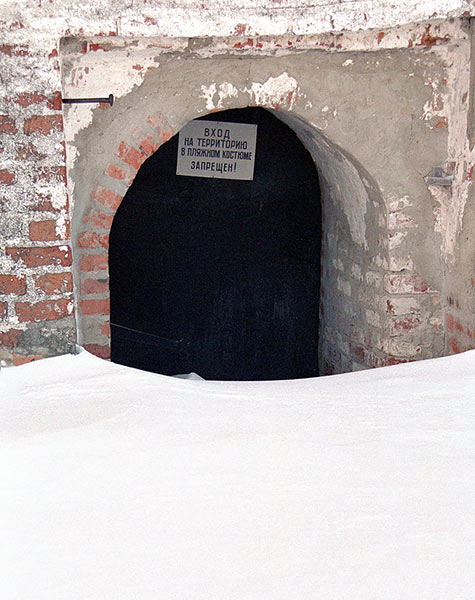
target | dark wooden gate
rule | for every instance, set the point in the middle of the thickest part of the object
(218, 276)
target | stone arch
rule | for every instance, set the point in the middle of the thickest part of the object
(354, 250)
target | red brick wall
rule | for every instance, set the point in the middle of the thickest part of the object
(93, 237)
(36, 300)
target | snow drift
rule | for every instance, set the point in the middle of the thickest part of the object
(120, 484)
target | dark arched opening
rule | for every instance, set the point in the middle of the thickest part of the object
(220, 276)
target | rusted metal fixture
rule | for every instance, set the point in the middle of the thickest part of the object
(109, 100)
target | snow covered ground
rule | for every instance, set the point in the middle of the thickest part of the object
(119, 484)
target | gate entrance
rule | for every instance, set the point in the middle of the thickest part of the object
(220, 276)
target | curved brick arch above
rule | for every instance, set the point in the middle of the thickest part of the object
(360, 328)
(91, 241)
(92, 287)
(125, 161)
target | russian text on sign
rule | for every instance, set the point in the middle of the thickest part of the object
(229, 150)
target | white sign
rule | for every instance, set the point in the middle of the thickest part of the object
(217, 149)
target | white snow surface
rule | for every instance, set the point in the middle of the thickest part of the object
(117, 484)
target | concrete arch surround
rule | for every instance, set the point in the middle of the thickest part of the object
(364, 258)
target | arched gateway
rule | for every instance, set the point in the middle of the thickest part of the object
(220, 276)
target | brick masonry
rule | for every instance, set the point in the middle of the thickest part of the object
(93, 238)
(35, 256)
(388, 311)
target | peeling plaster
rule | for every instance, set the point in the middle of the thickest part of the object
(223, 17)
(208, 92)
(93, 76)
(275, 91)
(451, 105)
(226, 90)
(96, 75)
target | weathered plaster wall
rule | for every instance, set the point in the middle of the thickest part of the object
(186, 18)
(353, 314)
(427, 250)
(384, 268)
(457, 205)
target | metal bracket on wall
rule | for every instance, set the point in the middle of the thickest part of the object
(109, 100)
(438, 176)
